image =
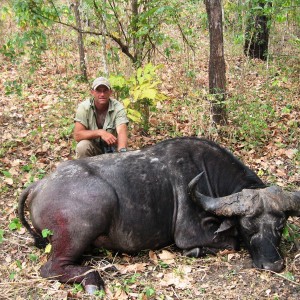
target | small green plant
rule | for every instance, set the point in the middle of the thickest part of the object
(12, 275)
(33, 257)
(132, 279)
(289, 276)
(139, 93)
(128, 282)
(291, 232)
(101, 294)
(1, 235)
(8, 176)
(149, 292)
(251, 120)
(77, 287)
(19, 265)
(15, 224)
(41, 173)
(163, 264)
(13, 87)
(46, 233)
(30, 166)
(6, 173)
(67, 127)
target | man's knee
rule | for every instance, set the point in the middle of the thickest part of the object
(87, 148)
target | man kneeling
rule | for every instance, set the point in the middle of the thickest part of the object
(100, 122)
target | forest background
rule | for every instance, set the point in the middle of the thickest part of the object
(157, 55)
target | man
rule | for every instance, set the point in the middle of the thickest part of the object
(100, 122)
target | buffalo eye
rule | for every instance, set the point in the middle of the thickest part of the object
(249, 226)
(280, 226)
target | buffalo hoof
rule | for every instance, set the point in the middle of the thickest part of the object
(91, 289)
(199, 252)
(192, 252)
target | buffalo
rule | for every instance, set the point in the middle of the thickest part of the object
(187, 191)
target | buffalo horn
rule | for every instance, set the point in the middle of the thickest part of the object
(223, 206)
(291, 203)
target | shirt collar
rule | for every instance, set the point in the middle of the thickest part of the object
(110, 104)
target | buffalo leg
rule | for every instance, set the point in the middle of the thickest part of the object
(71, 273)
(200, 251)
(63, 262)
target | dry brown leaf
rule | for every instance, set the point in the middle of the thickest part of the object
(133, 268)
(167, 257)
(233, 256)
(14, 171)
(226, 251)
(9, 181)
(281, 172)
(153, 257)
(120, 295)
(180, 282)
(15, 162)
(290, 153)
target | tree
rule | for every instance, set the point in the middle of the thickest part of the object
(217, 79)
(257, 30)
(83, 68)
(136, 27)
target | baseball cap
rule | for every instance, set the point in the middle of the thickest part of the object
(100, 81)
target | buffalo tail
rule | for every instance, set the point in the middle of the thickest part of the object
(39, 241)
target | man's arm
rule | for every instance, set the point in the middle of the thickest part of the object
(81, 133)
(122, 136)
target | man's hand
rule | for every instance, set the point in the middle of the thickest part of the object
(81, 133)
(107, 137)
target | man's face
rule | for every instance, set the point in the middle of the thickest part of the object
(101, 95)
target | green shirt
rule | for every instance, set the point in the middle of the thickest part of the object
(116, 115)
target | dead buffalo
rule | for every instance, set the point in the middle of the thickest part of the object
(186, 191)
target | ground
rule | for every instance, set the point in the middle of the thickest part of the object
(37, 135)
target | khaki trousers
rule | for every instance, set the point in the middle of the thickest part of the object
(87, 148)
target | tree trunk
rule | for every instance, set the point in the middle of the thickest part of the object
(136, 41)
(104, 34)
(217, 78)
(83, 68)
(257, 32)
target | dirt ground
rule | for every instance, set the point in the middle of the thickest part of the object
(35, 138)
(162, 274)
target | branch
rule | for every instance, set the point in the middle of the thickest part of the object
(155, 48)
(124, 48)
(51, 1)
(118, 20)
(185, 38)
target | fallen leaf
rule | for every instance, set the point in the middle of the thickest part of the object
(9, 181)
(226, 251)
(153, 257)
(167, 257)
(16, 162)
(290, 153)
(120, 295)
(48, 248)
(233, 255)
(180, 282)
(133, 268)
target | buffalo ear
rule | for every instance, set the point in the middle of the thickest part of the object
(225, 225)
